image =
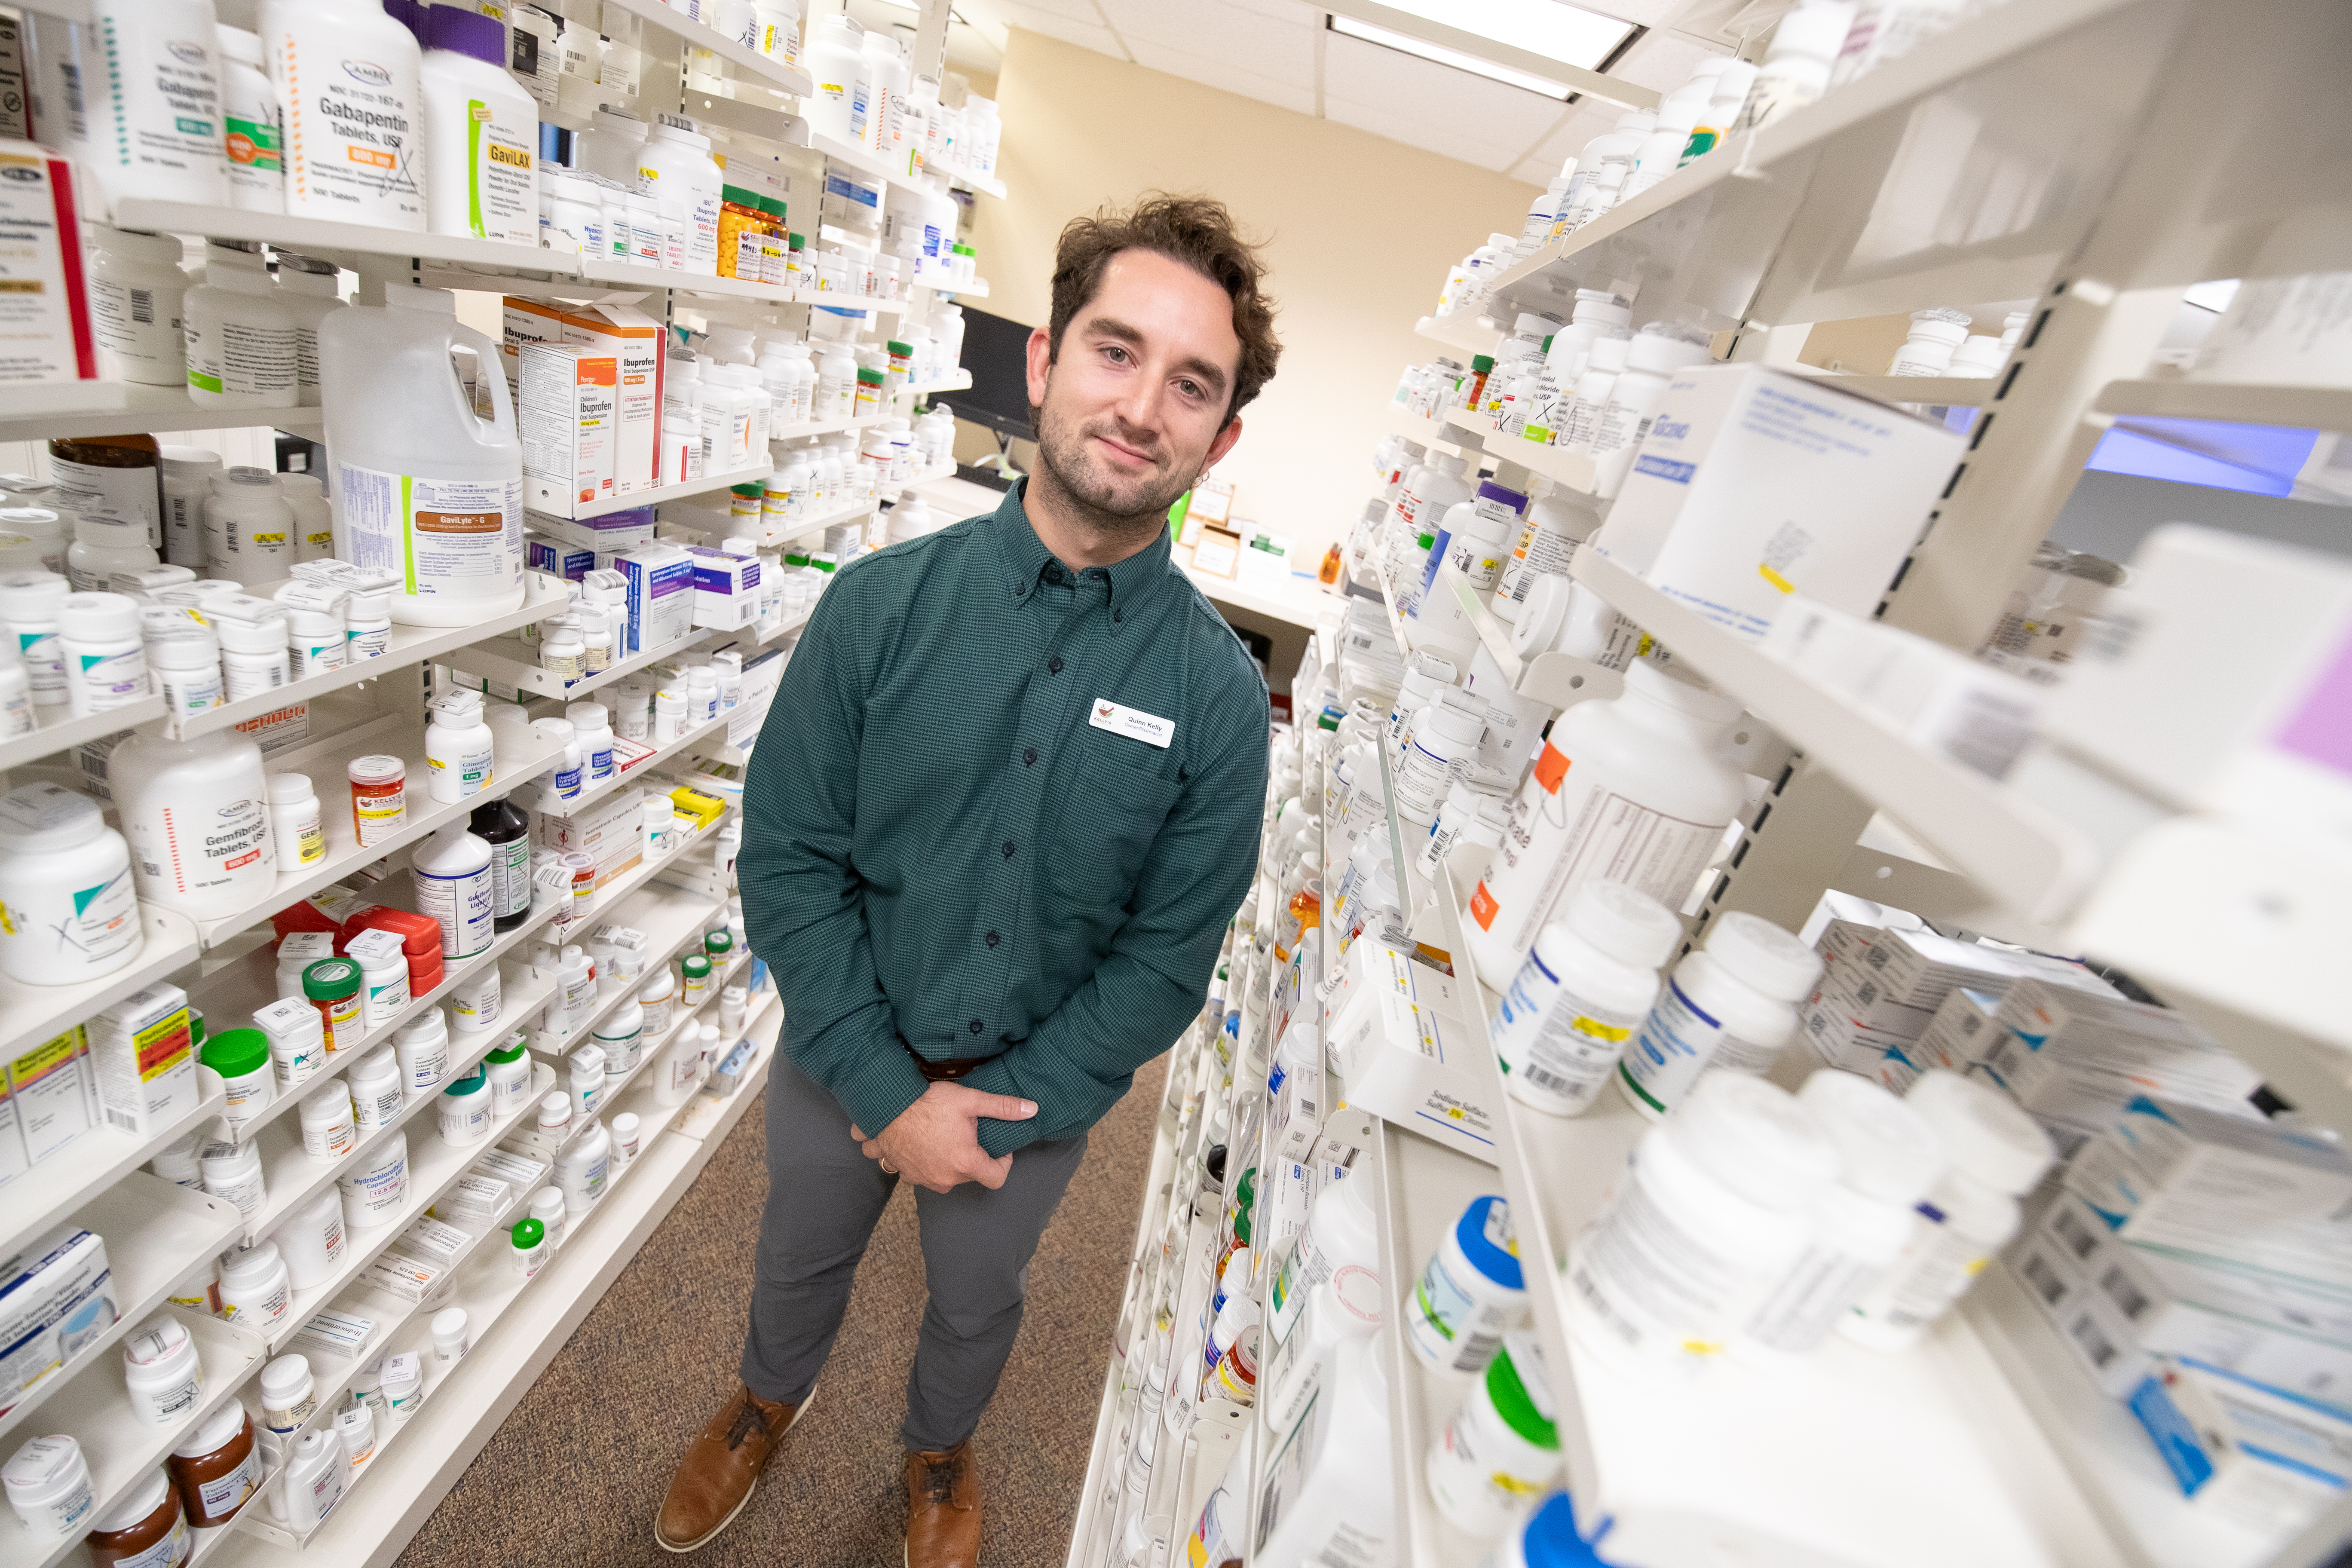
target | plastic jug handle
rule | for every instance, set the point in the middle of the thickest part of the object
(486, 355)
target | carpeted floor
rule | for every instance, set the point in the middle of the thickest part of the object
(577, 1472)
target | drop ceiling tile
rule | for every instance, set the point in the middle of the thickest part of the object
(1070, 10)
(1426, 132)
(1091, 35)
(1286, 11)
(1283, 93)
(1584, 120)
(1216, 30)
(1418, 92)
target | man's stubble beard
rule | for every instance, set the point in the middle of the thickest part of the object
(1064, 461)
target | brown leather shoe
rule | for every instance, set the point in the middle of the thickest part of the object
(943, 1508)
(715, 1479)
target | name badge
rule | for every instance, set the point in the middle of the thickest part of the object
(1132, 723)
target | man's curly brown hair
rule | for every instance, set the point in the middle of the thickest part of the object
(1195, 230)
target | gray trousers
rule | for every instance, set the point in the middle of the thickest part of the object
(823, 1198)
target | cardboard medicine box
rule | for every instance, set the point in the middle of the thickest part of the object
(633, 339)
(659, 589)
(726, 588)
(607, 831)
(1753, 485)
(56, 1295)
(565, 406)
(1409, 1052)
(144, 1061)
(50, 1087)
(46, 311)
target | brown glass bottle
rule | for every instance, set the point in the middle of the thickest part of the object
(217, 1469)
(111, 476)
(147, 1530)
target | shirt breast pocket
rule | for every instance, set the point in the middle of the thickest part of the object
(1114, 813)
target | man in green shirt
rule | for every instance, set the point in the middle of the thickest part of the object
(1006, 800)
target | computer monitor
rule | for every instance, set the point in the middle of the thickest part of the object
(996, 351)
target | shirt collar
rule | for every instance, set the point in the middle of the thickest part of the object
(1131, 580)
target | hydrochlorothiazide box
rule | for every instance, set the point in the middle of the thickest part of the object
(1753, 485)
(659, 593)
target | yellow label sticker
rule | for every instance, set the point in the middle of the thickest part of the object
(1775, 579)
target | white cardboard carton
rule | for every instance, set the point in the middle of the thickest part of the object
(1407, 1048)
(1753, 485)
(144, 1060)
(56, 1295)
(2267, 1460)
(566, 405)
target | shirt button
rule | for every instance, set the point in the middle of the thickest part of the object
(1008, 849)
(1115, 616)
(993, 939)
(1054, 665)
(977, 1025)
(1029, 757)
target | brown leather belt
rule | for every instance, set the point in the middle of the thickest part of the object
(946, 1071)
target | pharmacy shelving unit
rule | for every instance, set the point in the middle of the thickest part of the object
(159, 1235)
(1986, 1443)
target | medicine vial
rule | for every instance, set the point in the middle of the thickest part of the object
(378, 797)
(105, 657)
(1731, 1004)
(166, 1378)
(66, 881)
(1588, 983)
(1469, 1293)
(294, 821)
(458, 748)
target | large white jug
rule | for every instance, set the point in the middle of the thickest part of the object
(424, 486)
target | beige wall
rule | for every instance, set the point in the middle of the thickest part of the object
(1361, 231)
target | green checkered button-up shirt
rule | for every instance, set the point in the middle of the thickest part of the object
(945, 848)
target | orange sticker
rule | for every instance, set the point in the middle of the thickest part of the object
(1483, 907)
(1552, 766)
(371, 157)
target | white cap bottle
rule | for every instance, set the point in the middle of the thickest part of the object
(1657, 748)
(1729, 1007)
(1588, 983)
(1995, 1153)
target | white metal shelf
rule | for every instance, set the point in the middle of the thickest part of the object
(1464, 331)
(58, 731)
(2019, 854)
(961, 381)
(985, 185)
(521, 755)
(30, 1014)
(157, 1234)
(1945, 391)
(121, 1448)
(1561, 465)
(510, 663)
(2315, 407)
(671, 918)
(60, 1184)
(103, 408)
(410, 646)
(749, 63)
(540, 798)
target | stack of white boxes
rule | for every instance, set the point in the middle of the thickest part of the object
(1880, 989)
(2199, 1264)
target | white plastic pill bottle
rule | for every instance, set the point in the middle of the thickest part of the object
(65, 880)
(1705, 1217)
(1587, 984)
(1729, 1005)
(1646, 770)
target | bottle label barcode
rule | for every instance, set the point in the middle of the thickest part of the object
(142, 306)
